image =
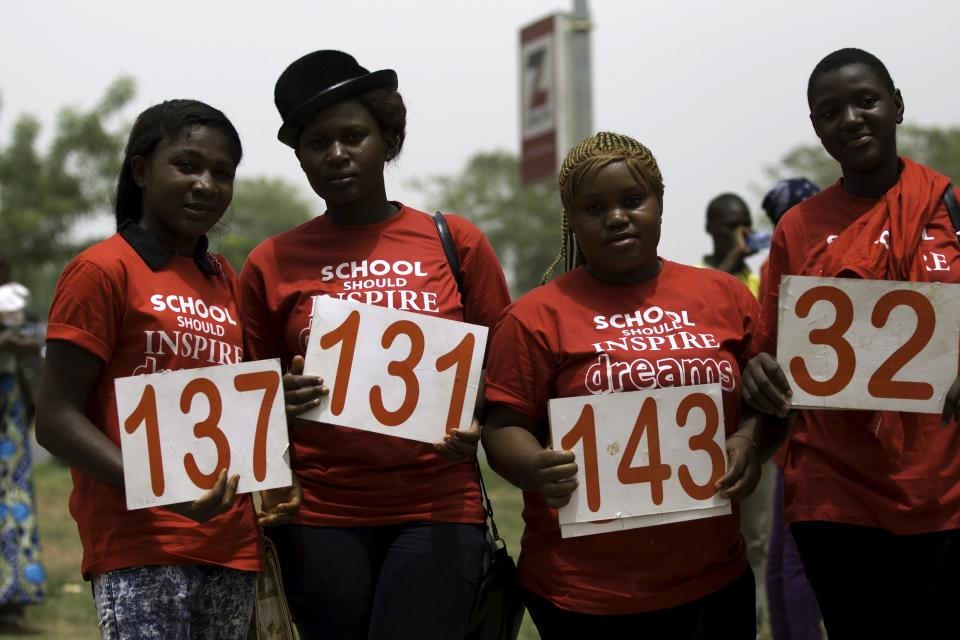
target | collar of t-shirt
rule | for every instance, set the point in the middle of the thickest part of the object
(156, 255)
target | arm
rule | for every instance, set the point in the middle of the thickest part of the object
(755, 440)
(19, 345)
(63, 428)
(514, 452)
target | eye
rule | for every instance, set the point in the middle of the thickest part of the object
(634, 202)
(223, 175)
(355, 137)
(317, 143)
(184, 166)
(868, 101)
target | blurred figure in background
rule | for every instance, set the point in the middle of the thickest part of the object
(730, 227)
(791, 603)
(21, 574)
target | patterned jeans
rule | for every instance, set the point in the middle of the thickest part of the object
(174, 602)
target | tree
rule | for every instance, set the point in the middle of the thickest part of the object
(522, 223)
(44, 194)
(262, 207)
(936, 147)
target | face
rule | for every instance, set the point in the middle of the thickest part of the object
(855, 117)
(616, 221)
(187, 184)
(730, 218)
(342, 151)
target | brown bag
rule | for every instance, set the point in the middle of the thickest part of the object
(271, 615)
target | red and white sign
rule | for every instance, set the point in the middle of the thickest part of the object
(178, 429)
(540, 45)
(394, 372)
(868, 344)
(644, 457)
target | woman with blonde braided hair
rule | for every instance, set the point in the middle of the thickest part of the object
(569, 338)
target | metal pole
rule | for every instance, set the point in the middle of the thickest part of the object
(582, 81)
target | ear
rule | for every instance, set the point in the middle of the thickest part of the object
(898, 103)
(138, 168)
(813, 122)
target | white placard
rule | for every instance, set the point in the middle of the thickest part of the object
(394, 372)
(868, 344)
(643, 454)
(179, 428)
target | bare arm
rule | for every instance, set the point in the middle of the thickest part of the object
(63, 428)
(514, 452)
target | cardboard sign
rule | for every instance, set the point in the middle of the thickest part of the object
(868, 344)
(393, 372)
(644, 457)
(178, 429)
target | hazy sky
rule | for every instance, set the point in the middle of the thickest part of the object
(715, 89)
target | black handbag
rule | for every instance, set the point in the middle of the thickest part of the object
(498, 608)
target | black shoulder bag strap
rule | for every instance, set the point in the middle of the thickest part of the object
(953, 208)
(450, 251)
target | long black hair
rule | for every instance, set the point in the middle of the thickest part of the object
(165, 121)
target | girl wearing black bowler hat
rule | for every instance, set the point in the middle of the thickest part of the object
(389, 538)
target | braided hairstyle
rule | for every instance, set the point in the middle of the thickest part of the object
(581, 166)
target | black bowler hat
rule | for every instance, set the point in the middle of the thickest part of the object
(318, 80)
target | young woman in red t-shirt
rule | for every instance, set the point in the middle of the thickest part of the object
(185, 570)
(873, 498)
(389, 538)
(682, 580)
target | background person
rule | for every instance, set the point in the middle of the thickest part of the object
(729, 224)
(873, 498)
(684, 580)
(21, 575)
(791, 604)
(390, 537)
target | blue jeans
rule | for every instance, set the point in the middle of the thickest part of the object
(174, 602)
(407, 581)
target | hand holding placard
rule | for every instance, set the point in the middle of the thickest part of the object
(419, 373)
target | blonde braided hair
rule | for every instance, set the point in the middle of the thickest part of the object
(581, 165)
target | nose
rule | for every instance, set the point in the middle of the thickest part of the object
(336, 152)
(850, 116)
(616, 217)
(204, 182)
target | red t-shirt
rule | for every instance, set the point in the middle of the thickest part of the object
(138, 320)
(544, 348)
(352, 477)
(840, 467)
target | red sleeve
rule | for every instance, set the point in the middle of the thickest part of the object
(777, 266)
(485, 293)
(519, 369)
(87, 309)
(261, 340)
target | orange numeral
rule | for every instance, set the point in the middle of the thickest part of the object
(269, 383)
(586, 429)
(703, 441)
(206, 428)
(832, 337)
(347, 334)
(461, 355)
(403, 369)
(654, 472)
(882, 384)
(146, 412)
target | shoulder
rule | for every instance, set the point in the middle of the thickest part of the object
(711, 281)
(275, 245)
(112, 258)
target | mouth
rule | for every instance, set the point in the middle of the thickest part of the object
(200, 209)
(858, 141)
(341, 179)
(621, 239)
